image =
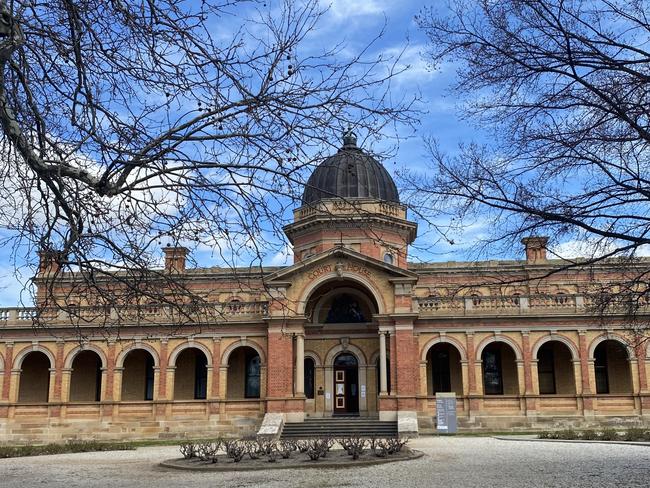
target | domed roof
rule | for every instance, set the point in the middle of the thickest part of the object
(350, 173)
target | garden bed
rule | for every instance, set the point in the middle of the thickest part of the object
(259, 454)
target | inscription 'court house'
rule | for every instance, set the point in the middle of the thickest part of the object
(328, 268)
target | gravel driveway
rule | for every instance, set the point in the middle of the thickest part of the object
(457, 462)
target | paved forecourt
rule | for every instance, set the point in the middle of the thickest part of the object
(458, 461)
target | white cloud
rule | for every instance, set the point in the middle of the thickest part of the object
(284, 257)
(589, 248)
(345, 9)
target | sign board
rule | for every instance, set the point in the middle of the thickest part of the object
(363, 391)
(446, 413)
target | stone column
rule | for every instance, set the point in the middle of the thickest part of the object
(117, 384)
(66, 379)
(300, 365)
(424, 385)
(383, 380)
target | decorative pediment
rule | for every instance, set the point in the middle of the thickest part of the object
(345, 261)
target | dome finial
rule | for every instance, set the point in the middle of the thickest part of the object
(349, 138)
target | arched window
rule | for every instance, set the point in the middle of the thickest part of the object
(345, 309)
(388, 258)
(253, 376)
(309, 377)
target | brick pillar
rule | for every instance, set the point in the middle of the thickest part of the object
(640, 351)
(471, 375)
(109, 379)
(393, 364)
(280, 355)
(644, 397)
(471, 358)
(407, 365)
(162, 382)
(58, 366)
(9, 360)
(588, 402)
(530, 403)
(110, 371)
(163, 410)
(216, 363)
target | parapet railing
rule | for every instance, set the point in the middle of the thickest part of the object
(508, 305)
(143, 314)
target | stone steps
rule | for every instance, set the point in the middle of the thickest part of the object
(339, 427)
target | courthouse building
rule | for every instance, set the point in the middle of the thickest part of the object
(351, 328)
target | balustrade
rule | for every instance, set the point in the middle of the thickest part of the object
(150, 313)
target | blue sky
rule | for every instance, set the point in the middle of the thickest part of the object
(355, 23)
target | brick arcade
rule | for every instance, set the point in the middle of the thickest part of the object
(350, 328)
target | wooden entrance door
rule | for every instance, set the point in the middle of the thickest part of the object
(346, 385)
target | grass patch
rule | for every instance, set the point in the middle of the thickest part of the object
(68, 447)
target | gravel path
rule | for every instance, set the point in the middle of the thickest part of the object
(458, 462)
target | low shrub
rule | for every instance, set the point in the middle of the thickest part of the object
(636, 434)
(63, 448)
(567, 434)
(589, 435)
(609, 435)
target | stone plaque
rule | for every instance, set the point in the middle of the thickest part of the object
(446, 413)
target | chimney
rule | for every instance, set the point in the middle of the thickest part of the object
(535, 248)
(49, 261)
(175, 259)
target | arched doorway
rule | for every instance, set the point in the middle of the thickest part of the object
(555, 369)
(612, 368)
(138, 376)
(34, 385)
(444, 373)
(244, 373)
(191, 375)
(346, 384)
(499, 370)
(86, 377)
